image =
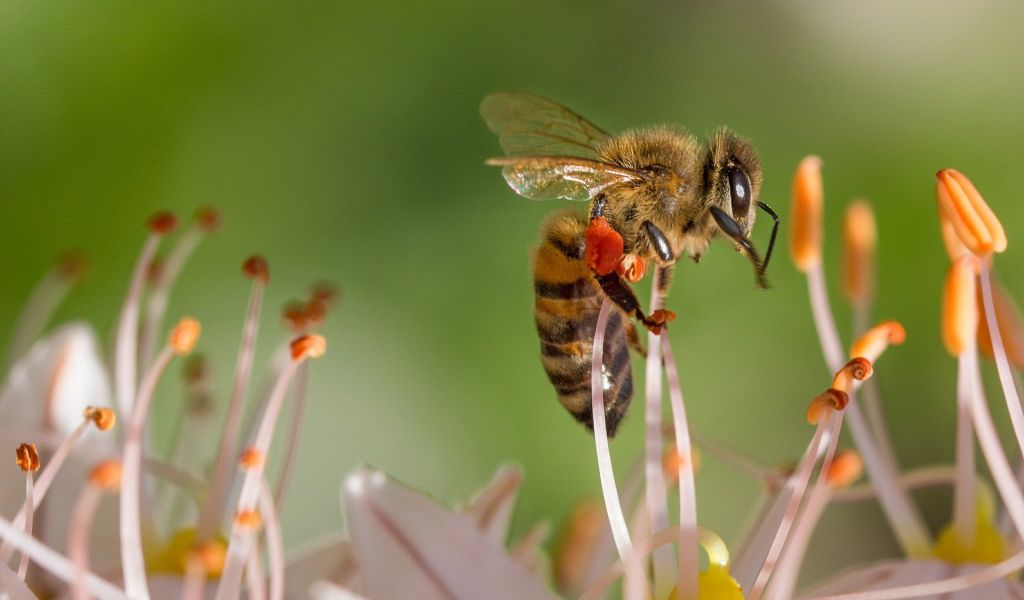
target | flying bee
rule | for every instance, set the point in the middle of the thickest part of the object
(654, 193)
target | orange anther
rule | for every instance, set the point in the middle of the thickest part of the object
(27, 457)
(106, 475)
(295, 316)
(324, 293)
(973, 221)
(859, 238)
(104, 418)
(604, 246)
(877, 339)
(207, 219)
(673, 462)
(959, 306)
(251, 458)
(184, 336)
(308, 346)
(211, 555)
(256, 267)
(248, 518)
(954, 247)
(805, 217)
(858, 368)
(73, 265)
(846, 468)
(162, 223)
(316, 313)
(828, 401)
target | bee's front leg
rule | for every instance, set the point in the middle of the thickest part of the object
(621, 294)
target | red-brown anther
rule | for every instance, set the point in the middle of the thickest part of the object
(162, 223)
(184, 336)
(155, 269)
(1011, 325)
(27, 457)
(846, 468)
(73, 265)
(104, 418)
(251, 458)
(196, 369)
(858, 368)
(256, 267)
(294, 314)
(315, 313)
(106, 475)
(877, 339)
(325, 294)
(805, 238)
(604, 246)
(207, 219)
(828, 401)
(974, 222)
(248, 518)
(308, 346)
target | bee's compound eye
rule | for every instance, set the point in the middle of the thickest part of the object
(739, 188)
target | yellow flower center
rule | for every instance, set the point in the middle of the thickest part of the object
(182, 547)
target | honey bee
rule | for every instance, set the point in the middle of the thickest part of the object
(654, 193)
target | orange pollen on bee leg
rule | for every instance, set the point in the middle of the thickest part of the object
(251, 458)
(604, 246)
(308, 346)
(828, 401)
(877, 339)
(27, 457)
(248, 518)
(162, 223)
(103, 418)
(106, 475)
(972, 219)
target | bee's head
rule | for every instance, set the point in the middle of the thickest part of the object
(732, 189)
(732, 178)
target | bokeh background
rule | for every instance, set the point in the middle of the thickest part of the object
(342, 141)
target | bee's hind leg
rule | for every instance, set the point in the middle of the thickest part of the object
(620, 293)
(633, 339)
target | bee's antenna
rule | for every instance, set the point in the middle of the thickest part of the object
(775, 230)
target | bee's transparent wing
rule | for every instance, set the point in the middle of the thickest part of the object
(551, 177)
(531, 125)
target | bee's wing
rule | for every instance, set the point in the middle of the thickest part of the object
(571, 178)
(531, 125)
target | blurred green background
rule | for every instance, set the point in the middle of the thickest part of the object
(342, 141)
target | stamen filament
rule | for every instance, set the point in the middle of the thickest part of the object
(964, 489)
(126, 339)
(298, 418)
(181, 341)
(275, 541)
(686, 579)
(82, 515)
(240, 540)
(213, 511)
(55, 563)
(23, 565)
(256, 586)
(1013, 404)
(42, 302)
(656, 497)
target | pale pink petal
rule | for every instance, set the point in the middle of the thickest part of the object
(12, 587)
(892, 574)
(409, 547)
(327, 560)
(492, 506)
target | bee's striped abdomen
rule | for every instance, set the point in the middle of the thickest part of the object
(567, 302)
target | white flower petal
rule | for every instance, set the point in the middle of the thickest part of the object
(12, 587)
(328, 561)
(892, 574)
(60, 376)
(409, 547)
(492, 506)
